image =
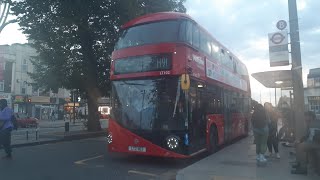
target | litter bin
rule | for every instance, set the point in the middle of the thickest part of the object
(66, 126)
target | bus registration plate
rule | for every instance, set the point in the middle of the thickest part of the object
(137, 149)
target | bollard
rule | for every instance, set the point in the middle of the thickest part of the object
(27, 135)
(66, 126)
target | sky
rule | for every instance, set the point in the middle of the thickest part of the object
(243, 26)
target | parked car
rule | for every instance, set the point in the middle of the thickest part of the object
(24, 121)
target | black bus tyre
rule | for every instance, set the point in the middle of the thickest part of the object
(213, 140)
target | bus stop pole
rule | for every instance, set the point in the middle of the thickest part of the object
(275, 97)
(298, 95)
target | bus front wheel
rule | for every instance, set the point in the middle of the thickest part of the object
(213, 140)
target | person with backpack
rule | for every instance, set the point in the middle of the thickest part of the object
(6, 127)
(260, 130)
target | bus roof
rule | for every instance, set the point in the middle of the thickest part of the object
(155, 17)
(173, 15)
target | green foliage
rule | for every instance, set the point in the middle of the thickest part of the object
(75, 38)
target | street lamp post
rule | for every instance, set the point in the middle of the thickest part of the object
(74, 106)
(298, 99)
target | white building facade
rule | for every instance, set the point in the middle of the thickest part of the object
(312, 91)
(16, 84)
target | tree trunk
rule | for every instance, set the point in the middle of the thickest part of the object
(93, 115)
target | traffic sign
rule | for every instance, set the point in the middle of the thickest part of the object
(278, 38)
(278, 48)
(281, 25)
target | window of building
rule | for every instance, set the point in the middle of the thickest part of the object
(1, 85)
(24, 68)
(316, 82)
(23, 90)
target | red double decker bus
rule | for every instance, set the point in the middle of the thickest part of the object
(176, 91)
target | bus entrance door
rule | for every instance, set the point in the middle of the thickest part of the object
(197, 120)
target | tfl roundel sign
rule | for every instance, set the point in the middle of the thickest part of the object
(277, 38)
(281, 25)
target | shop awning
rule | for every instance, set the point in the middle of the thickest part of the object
(274, 79)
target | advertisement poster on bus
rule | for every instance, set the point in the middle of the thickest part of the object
(216, 72)
(198, 65)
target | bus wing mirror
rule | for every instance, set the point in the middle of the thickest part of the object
(185, 81)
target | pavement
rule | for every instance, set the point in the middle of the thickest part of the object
(51, 132)
(86, 159)
(237, 162)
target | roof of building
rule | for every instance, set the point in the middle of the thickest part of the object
(313, 73)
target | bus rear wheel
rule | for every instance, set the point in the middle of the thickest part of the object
(213, 140)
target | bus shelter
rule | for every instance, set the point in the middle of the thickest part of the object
(275, 79)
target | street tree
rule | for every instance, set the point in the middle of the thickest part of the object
(75, 39)
(4, 13)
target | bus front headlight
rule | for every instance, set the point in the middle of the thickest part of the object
(173, 142)
(109, 138)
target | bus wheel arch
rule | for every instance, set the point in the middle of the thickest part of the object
(213, 139)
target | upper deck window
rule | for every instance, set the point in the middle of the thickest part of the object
(155, 32)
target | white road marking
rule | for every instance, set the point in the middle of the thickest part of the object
(82, 162)
(142, 173)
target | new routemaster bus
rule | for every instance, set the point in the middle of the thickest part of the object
(176, 91)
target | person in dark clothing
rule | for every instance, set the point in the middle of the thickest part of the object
(260, 129)
(308, 144)
(273, 140)
(6, 127)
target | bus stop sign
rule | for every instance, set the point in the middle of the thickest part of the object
(281, 25)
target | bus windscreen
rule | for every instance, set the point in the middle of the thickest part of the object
(152, 33)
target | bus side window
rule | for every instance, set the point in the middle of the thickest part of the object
(183, 31)
(235, 70)
(189, 32)
(215, 52)
(196, 36)
(204, 43)
(222, 57)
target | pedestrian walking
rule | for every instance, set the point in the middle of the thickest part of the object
(6, 127)
(52, 115)
(273, 140)
(260, 130)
